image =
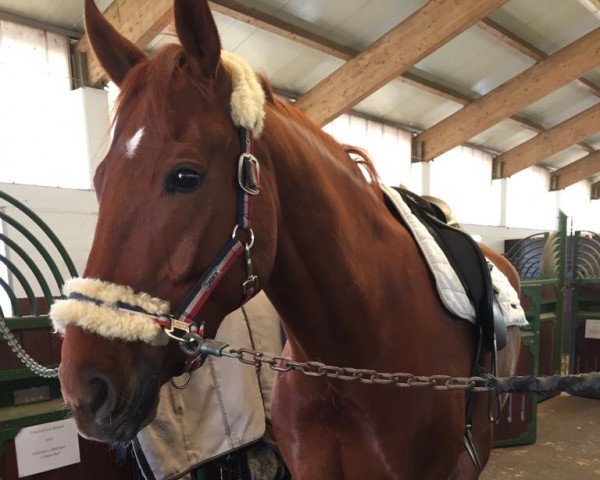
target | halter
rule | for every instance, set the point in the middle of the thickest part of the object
(151, 319)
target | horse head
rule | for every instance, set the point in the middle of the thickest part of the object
(167, 205)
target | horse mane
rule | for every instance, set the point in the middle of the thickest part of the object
(366, 162)
(289, 110)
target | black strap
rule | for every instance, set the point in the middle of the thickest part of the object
(142, 462)
(468, 438)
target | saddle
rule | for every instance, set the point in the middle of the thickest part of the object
(466, 258)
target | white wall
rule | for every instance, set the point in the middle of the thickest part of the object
(70, 213)
(46, 129)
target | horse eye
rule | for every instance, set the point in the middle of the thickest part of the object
(183, 180)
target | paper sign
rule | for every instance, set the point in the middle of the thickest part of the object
(44, 447)
(592, 329)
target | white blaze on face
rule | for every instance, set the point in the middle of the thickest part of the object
(133, 143)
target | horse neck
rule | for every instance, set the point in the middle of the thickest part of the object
(338, 251)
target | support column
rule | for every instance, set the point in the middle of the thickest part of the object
(426, 178)
(503, 201)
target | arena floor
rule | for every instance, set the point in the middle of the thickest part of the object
(567, 447)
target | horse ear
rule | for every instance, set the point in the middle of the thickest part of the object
(115, 53)
(198, 33)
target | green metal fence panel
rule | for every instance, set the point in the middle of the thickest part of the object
(25, 398)
(541, 261)
(584, 348)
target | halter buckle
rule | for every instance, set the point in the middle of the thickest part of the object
(178, 330)
(249, 173)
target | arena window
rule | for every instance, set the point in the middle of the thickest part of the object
(43, 140)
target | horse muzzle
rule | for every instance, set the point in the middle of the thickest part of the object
(108, 405)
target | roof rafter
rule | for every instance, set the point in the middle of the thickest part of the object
(140, 21)
(413, 39)
(581, 169)
(254, 17)
(143, 29)
(548, 143)
(270, 23)
(510, 97)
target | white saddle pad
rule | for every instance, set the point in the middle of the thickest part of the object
(449, 287)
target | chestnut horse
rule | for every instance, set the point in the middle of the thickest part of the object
(346, 277)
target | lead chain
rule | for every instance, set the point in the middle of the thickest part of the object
(359, 375)
(573, 384)
(22, 355)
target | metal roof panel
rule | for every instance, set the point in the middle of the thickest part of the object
(560, 159)
(503, 136)
(549, 24)
(474, 61)
(560, 105)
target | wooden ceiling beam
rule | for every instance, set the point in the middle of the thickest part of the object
(581, 169)
(160, 18)
(548, 143)
(416, 37)
(516, 42)
(510, 97)
(138, 20)
(270, 23)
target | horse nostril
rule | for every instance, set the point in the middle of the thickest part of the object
(98, 393)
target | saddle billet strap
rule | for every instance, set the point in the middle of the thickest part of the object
(468, 437)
